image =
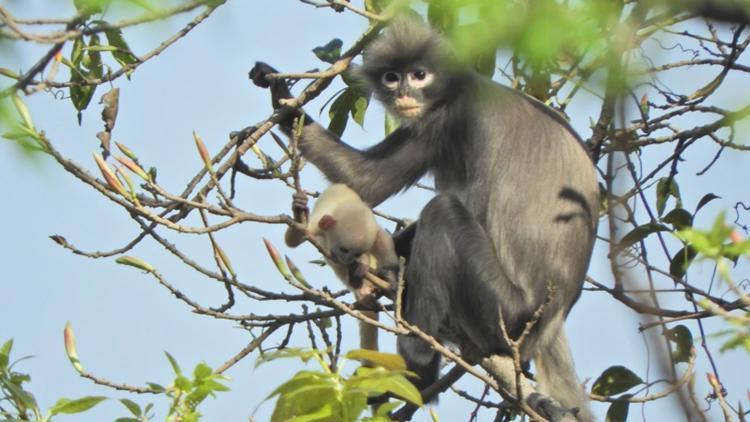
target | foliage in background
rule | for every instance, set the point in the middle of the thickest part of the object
(329, 395)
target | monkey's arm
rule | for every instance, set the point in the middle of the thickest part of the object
(376, 173)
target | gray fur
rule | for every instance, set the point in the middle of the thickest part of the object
(516, 209)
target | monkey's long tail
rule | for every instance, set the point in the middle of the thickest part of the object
(556, 376)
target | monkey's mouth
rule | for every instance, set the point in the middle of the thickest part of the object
(409, 111)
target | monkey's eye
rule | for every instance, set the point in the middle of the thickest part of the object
(343, 250)
(420, 78)
(391, 79)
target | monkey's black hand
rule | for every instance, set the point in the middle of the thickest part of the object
(259, 72)
(279, 91)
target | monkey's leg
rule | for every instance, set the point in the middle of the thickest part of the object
(456, 289)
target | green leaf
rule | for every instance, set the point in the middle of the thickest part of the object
(80, 95)
(376, 6)
(615, 380)
(705, 200)
(202, 371)
(132, 407)
(387, 407)
(76, 54)
(291, 352)
(683, 339)
(304, 394)
(135, 262)
(330, 52)
(681, 261)
(87, 62)
(641, 232)
(379, 380)
(719, 230)
(340, 109)
(679, 218)
(618, 411)
(19, 394)
(101, 48)
(386, 360)
(90, 7)
(23, 111)
(215, 385)
(359, 110)
(5, 354)
(276, 258)
(296, 273)
(182, 383)
(173, 362)
(665, 188)
(442, 14)
(391, 124)
(76, 406)
(155, 387)
(353, 404)
(302, 379)
(213, 3)
(324, 413)
(95, 66)
(123, 54)
(738, 340)
(128, 419)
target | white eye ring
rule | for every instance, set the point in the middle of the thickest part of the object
(419, 78)
(391, 80)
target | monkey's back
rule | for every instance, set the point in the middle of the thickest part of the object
(534, 190)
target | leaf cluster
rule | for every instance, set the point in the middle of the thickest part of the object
(327, 395)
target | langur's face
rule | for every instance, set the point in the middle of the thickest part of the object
(405, 92)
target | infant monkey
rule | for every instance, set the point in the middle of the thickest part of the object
(346, 226)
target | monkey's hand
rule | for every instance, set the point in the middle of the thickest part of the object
(366, 294)
(279, 89)
(358, 269)
(259, 72)
(299, 207)
(294, 236)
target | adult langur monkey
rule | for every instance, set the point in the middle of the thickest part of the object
(346, 226)
(514, 220)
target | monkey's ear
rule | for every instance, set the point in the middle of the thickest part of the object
(326, 222)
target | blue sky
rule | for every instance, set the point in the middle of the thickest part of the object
(123, 319)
